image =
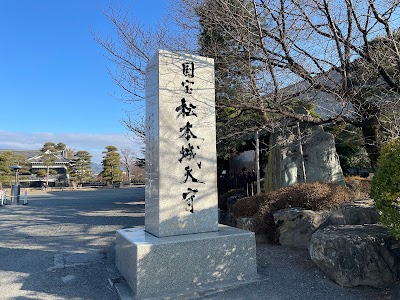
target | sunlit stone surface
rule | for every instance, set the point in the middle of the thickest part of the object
(180, 145)
(182, 248)
(160, 266)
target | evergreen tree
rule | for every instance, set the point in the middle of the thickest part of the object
(41, 173)
(49, 157)
(274, 49)
(111, 165)
(81, 167)
(10, 158)
(233, 75)
(61, 146)
(138, 171)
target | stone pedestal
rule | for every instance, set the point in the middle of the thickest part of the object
(170, 266)
(182, 247)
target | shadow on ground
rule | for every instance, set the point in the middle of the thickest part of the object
(75, 226)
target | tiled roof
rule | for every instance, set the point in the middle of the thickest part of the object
(36, 155)
(26, 153)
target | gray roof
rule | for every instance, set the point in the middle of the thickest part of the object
(35, 156)
(26, 153)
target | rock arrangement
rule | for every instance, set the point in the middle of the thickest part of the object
(296, 225)
(346, 243)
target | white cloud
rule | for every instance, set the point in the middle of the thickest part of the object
(94, 143)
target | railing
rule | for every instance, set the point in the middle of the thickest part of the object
(246, 181)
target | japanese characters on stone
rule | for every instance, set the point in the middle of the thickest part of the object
(187, 111)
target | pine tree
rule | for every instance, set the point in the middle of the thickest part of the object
(81, 167)
(233, 77)
(10, 158)
(111, 165)
(49, 157)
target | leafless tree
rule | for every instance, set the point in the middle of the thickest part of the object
(129, 49)
(324, 52)
(138, 173)
(276, 58)
(128, 161)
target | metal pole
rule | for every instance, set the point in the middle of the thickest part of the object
(25, 198)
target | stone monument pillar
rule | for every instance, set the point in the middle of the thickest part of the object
(182, 248)
(181, 193)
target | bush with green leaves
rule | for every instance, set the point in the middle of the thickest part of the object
(385, 187)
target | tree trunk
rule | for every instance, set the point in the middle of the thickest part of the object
(303, 165)
(372, 139)
(47, 176)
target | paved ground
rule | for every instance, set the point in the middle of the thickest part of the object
(61, 246)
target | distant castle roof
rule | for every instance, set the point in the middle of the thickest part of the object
(26, 153)
(35, 156)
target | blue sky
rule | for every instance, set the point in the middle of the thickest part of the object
(53, 80)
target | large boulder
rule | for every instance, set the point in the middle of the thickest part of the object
(252, 224)
(354, 255)
(356, 213)
(321, 161)
(227, 216)
(296, 225)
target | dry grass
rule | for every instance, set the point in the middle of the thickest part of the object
(248, 206)
(361, 186)
(314, 196)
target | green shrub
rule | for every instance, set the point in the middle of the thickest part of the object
(314, 196)
(385, 187)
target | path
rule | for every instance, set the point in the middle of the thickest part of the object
(61, 246)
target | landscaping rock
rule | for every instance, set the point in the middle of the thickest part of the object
(358, 213)
(354, 255)
(395, 250)
(296, 225)
(229, 220)
(319, 154)
(246, 223)
(250, 224)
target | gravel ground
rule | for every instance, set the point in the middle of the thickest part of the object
(289, 274)
(61, 246)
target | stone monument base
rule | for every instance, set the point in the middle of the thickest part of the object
(155, 267)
